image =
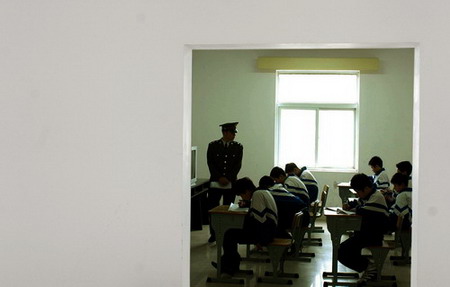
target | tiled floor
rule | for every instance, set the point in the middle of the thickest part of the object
(310, 273)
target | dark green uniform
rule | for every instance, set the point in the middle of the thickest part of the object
(224, 161)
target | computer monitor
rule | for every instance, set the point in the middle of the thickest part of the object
(194, 165)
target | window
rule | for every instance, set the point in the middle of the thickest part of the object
(317, 119)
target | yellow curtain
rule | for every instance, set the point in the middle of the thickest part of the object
(271, 64)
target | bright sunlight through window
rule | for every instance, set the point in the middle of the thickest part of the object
(317, 119)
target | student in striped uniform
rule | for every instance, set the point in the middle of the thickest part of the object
(259, 226)
(372, 207)
(287, 204)
(380, 178)
(405, 167)
(403, 202)
(292, 183)
(306, 177)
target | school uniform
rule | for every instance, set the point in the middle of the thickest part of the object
(288, 205)
(374, 224)
(402, 206)
(311, 183)
(260, 227)
(381, 179)
(295, 186)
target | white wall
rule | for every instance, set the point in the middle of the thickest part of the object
(94, 127)
(228, 87)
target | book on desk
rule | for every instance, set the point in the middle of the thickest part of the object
(237, 208)
(339, 210)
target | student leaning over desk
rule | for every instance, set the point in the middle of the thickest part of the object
(292, 183)
(306, 177)
(287, 203)
(372, 207)
(259, 228)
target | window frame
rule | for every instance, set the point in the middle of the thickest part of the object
(318, 107)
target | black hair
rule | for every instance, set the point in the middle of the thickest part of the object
(376, 160)
(265, 182)
(360, 181)
(400, 178)
(289, 167)
(276, 172)
(404, 166)
(242, 185)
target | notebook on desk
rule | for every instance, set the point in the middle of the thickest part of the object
(235, 207)
(339, 210)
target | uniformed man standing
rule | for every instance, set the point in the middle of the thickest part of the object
(224, 158)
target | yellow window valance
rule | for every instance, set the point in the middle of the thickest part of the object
(287, 63)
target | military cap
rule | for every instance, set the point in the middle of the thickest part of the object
(231, 127)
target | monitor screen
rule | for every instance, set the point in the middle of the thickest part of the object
(193, 165)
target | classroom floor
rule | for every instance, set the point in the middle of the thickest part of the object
(310, 273)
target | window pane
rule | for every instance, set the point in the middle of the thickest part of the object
(336, 138)
(317, 88)
(297, 137)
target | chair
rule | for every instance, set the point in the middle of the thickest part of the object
(402, 240)
(296, 253)
(250, 252)
(278, 250)
(379, 254)
(297, 235)
(319, 213)
(315, 206)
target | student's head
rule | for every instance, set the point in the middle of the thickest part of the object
(244, 187)
(229, 131)
(376, 163)
(362, 184)
(404, 167)
(278, 174)
(266, 182)
(400, 181)
(291, 168)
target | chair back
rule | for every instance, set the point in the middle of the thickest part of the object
(315, 206)
(296, 229)
(323, 199)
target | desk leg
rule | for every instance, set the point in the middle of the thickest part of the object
(336, 242)
(217, 223)
(219, 244)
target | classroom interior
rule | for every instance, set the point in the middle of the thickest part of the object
(310, 273)
(227, 86)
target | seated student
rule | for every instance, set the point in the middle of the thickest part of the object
(405, 167)
(259, 225)
(372, 207)
(403, 202)
(306, 177)
(380, 178)
(292, 183)
(287, 204)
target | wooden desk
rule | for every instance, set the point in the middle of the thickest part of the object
(345, 192)
(221, 221)
(199, 215)
(337, 225)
